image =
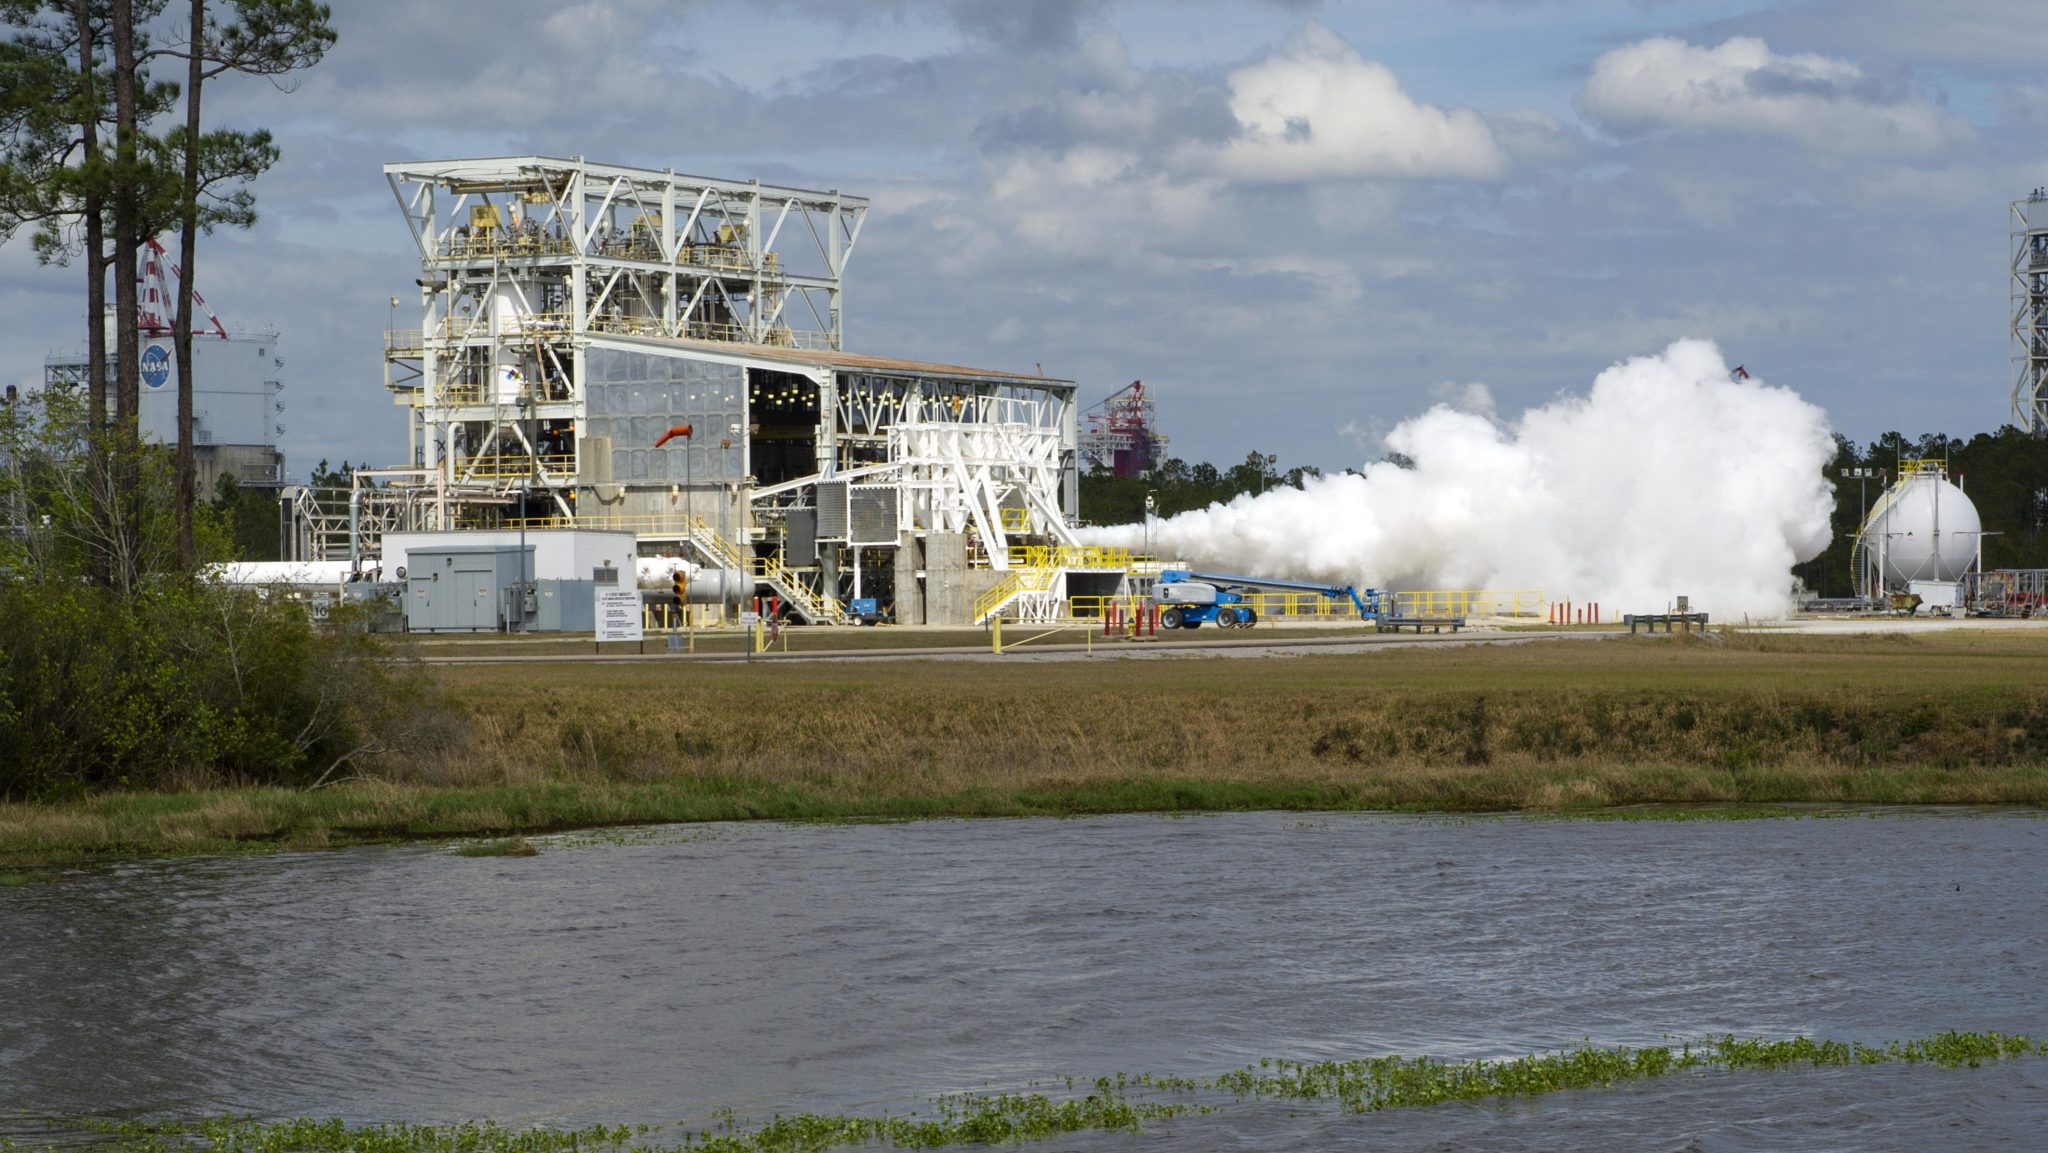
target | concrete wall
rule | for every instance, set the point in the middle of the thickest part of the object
(950, 587)
(947, 600)
(909, 594)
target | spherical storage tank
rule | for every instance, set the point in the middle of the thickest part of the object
(1923, 528)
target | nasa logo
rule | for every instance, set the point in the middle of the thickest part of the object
(156, 366)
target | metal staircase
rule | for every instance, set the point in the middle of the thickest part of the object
(1030, 589)
(722, 553)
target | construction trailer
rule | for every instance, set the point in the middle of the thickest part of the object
(631, 349)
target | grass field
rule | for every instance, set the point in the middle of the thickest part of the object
(1751, 719)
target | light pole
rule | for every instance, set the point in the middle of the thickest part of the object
(526, 401)
(1151, 508)
(1862, 478)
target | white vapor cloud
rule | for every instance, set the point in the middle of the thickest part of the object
(1317, 110)
(1614, 496)
(1742, 86)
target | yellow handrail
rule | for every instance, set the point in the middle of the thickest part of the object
(1469, 603)
(512, 466)
(1089, 556)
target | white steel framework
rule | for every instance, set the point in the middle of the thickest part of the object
(2029, 281)
(632, 348)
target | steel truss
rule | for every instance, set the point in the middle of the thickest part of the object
(994, 466)
(525, 258)
(2029, 282)
(537, 272)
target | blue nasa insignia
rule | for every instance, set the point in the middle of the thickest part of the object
(156, 366)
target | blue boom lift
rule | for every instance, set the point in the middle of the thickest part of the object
(1193, 599)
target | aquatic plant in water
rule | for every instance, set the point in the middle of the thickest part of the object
(1361, 1085)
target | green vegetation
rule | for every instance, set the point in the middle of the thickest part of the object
(251, 519)
(1177, 486)
(2004, 472)
(1113, 1104)
(513, 846)
(1732, 725)
(139, 674)
(1369, 1084)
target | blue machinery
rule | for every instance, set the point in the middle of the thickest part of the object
(1191, 599)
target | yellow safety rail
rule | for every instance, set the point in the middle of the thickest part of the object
(403, 342)
(491, 244)
(1468, 603)
(525, 323)
(512, 466)
(1016, 519)
(637, 245)
(1299, 606)
(1085, 556)
(1013, 585)
(623, 325)
(724, 552)
(676, 525)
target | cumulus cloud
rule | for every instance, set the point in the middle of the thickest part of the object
(1090, 203)
(1742, 86)
(1317, 110)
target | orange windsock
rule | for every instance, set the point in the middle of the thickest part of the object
(682, 430)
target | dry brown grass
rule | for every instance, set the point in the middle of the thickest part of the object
(1956, 718)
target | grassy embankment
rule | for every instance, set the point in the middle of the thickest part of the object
(1952, 717)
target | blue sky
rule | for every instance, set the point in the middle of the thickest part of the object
(1300, 222)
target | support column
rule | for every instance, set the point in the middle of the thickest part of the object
(947, 600)
(909, 594)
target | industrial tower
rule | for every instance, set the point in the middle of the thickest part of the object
(2030, 312)
(625, 348)
(1122, 432)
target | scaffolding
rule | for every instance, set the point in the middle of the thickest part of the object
(1121, 433)
(2029, 287)
(601, 346)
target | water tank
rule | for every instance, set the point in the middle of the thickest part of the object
(1923, 528)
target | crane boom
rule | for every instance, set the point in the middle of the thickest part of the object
(1200, 597)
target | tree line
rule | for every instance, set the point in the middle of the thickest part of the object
(1177, 486)
(121, 664)
(2004, 473)
(99, 154)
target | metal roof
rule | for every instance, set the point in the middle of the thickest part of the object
(849, 362)
(499, 173)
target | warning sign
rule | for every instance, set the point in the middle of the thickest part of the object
(618, 616)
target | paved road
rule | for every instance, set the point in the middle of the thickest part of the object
(1274, 645)
(1278, 642)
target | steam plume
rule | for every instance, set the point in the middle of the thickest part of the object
(1667, 478)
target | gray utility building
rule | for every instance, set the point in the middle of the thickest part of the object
(544, 581)
(464, 588)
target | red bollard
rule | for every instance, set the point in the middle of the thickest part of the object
(1109, 619)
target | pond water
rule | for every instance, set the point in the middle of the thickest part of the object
(659, 975)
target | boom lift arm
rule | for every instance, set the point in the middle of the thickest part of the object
(1196, 597)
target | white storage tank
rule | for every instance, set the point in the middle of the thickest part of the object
(1922, 529)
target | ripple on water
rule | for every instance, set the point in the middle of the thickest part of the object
(647, 977)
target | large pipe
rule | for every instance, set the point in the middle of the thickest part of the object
(355, 522)
(703, 586)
